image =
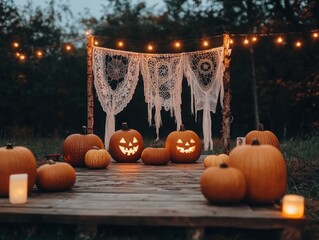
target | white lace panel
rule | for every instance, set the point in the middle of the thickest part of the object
(162, 76)
(115, 79)
(204, 72)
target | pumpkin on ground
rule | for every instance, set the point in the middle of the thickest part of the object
(155, 156)
(55, 176)
(184, 145)
(264, 169)
(16, 160)
(223, 184)
(126, 145)
(76, 145)
(263, 136)
(215, 160)
(97, 158)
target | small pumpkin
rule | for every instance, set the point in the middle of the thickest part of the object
(97, 158)
(223, 184)
(55, 176)
(15, 160)
(155, 156)
(264, 169)
(263, 136)
(184, 145)
(76, 145)
(215, 160)
(126, 145)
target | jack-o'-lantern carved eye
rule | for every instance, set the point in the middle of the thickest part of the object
(135, 140)
(122, 140)
(179, 141)
(192, 140)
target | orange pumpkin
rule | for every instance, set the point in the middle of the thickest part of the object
(55, 176)
(263, 136)
(215, 160)
(184, 145)
(265, 171)
(155, 156)
(126, 145)
(223, 184)
(15, 160)
(75, 147)
(97, 158)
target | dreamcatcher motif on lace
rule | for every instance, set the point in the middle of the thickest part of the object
(162, 75)
(204, 72)
(115, 79)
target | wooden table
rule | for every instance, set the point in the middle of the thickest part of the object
(134, 194)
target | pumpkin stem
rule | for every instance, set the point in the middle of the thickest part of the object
(51, 162)
(9, 145)
(260, 127)
(125, 126)
(96, 147)
(255, 142)
(223, 165)
(182, 127)
(85, 130)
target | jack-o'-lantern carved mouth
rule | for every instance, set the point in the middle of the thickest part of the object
(130, 149)
(187, 148)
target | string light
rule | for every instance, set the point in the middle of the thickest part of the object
(96, 43)
(150, 47)
(205, 43)
(88, 32)
(298, 44)
(22, 57)
(177, 44)
(254, 39)
(231, 41)
(279, 40)
(246, 41)
(39, 54)
(120, 44)
(15, 44)
(68, 47)
(315, 35)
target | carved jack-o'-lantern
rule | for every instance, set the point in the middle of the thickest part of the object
(126, 145)
(184, 146)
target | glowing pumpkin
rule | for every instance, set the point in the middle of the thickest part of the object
(263, 136)
(184, 145)
(126, 145)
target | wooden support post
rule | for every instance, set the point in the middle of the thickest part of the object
(226, 113)
(90, 98)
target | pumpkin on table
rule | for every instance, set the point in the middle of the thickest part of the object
(223, 184)
(263, 136)
(264, 169)
(97, 158)
(155, 156)
(55, 176)
(215, 160)
(184, 145)
(126, 145)
(16, 160)
(76, 145)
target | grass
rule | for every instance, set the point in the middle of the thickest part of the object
(301, 154)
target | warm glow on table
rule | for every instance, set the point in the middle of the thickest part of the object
(293, 206)
(18, 188)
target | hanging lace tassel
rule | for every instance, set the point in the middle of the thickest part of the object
(207, 129)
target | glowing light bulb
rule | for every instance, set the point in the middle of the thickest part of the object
(22, 57)
(231, 41)
(298, 44)
(254, 39)
(150, 47)
(205, 43)
(68, 47)
(279, 40)
(246, 41)
(88, 32)
(120, 43)
(96, 43)
(15, 44)
(177, 45)
(39, 54)
(315, 35)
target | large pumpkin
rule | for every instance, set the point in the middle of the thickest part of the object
(155, 156)
(15, 160)
(76, 145)
(184, 145)
(263, 136)
(265, 171)
(55, 176)
(126, 145)
(97, 158)
(223, 184)
(215, 160)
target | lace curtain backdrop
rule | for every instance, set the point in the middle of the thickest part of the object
(116, 74)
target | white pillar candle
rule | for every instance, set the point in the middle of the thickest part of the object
(293, 206)
(18, 188)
